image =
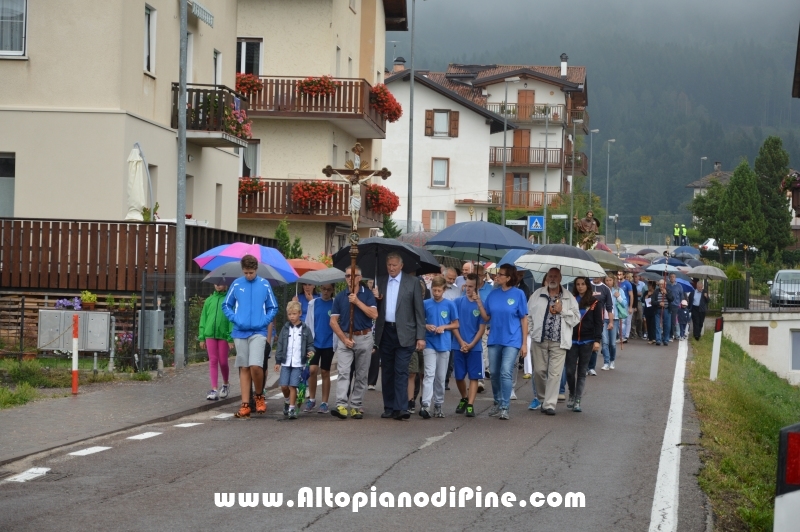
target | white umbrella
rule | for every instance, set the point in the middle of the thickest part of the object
(707, 272)
(136, 197)
(572, 261)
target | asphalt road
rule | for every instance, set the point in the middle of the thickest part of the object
(610, 453)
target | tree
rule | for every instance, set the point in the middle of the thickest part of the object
(771, 167)
(289, 249)
(705, 209)
(740, 210)
(390, 230)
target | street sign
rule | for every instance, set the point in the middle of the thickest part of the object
(535, 224)
(559, 216)
(515, 222)
(645, 224)
(735, 247)
(645, 220)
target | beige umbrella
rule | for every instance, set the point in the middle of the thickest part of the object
(607, 260)
(136, 196)
(707, 272)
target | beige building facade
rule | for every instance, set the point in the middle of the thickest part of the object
(79, 89)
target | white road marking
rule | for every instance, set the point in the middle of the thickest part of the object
(664, 514)
(90, 450)
(319, 383)
(433, 439)
(187, 425)
(144, 436)
(222, 416)
(30, 474)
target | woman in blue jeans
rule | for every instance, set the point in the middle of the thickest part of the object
(507, 309)
(610, 346)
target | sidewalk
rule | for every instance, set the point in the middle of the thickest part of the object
(102, 409)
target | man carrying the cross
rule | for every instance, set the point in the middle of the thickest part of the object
(352, 351)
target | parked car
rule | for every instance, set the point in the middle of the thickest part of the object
(785, 288)
(709, 245)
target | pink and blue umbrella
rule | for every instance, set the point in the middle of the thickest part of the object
(220, 255)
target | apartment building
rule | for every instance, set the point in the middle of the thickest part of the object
(81, 84)
(296, 135)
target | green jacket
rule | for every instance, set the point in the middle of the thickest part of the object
(213, 323)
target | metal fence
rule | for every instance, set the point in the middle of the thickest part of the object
(754, 294)
(636, 238)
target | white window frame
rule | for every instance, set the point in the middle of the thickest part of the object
(242, 45)
(446, 161)
(189, 56)
(254, 172)
(21, 52)
(446, 114)
(218, 67)
(150, 39)
(353, 5)
(438, 220)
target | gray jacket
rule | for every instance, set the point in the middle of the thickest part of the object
(409, 314)
(283, 343)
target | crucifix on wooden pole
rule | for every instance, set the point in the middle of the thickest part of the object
(355, 173)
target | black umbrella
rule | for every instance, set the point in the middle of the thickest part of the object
(372, 254)
(693, 262)
(645, 251)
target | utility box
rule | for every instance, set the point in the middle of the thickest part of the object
(152, 328)
(55, 330)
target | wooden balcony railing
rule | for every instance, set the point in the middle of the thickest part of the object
(206, 106)
(100, 255)
(275, 202)
(526, 113)
(579, 114)
(524, 156)
(581, 163)
(522, 199)
(280, 98)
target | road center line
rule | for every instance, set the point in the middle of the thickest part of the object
(90, 450)
(433, 439)
(30, 474)
(143, 436)
(319, 383)
(664, 514)
(187, 425)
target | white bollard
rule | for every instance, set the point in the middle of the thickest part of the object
(715, 349)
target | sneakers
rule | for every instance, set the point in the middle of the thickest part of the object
(593, 373)
(213, 395)
(223, 393)
(371, 387)
(244, 412)
(292, 412)
(261, 404)
(549, 411)
(611, 366)
(526, 376)
(311, 404)
(481, 387)
(355, 413)
(423, 413)
(462, 406)
(470, 411)
(285, 408)
(562, 397)
(605, 367)
(495, 410)
(570, 402)
(535, 404)
(504, 413)
(411, 406)
(658, 343)
(323, 408)
(340, 412)
(437, 411)
(577, 406)
(488, 374)
(513, 396)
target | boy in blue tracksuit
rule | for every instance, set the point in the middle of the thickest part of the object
(251, 306)
(441, 317)
(466, 345)
(318, 319)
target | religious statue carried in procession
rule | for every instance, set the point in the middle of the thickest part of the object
(587, 230)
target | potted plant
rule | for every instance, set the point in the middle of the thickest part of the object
(88, 300)
(236, 122)
(385, 103)
(318, 86)
(249, 186)
(381, 200)
(110, 303)
(247, 84)
(311, 194)
(74, 303)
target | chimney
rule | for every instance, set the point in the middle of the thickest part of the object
(399, 65)
(564, 59)
(717, 166)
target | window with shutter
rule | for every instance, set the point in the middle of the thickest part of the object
(426, 220)
(429, 123)
(453, 124)
(438, 220)
(451, 218)
(441, 123)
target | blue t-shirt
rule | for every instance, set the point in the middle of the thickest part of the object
(506, 308)
(626, 287)
(341, 306)
(439, 313)
(323, 334)
(304, 305)
(469, 321)
(484, 291)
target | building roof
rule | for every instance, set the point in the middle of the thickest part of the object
(705, 182)
(396, 15)
(486, 74)
(461, 93)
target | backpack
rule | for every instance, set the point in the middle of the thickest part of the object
(621, 307)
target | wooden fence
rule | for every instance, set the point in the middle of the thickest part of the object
(99, 255)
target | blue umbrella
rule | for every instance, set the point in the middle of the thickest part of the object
(216, 257)
(512, 256)
(670, 261)
(686, 249)
(479, 235)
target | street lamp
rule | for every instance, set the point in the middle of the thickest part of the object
(572, 177)
(701, 166)
(514, 79)
(409, 222)
(608, 180)
(591, 159)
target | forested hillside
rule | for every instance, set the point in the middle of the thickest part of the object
(671, 83)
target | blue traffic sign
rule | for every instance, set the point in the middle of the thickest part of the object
(535, 224)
